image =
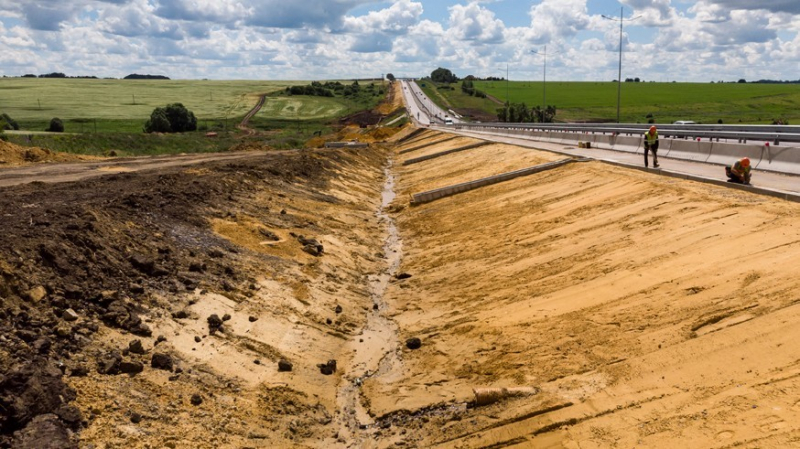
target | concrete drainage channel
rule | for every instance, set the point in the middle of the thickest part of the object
(432, 195)
(377, 350)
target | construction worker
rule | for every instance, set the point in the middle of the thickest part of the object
(739, 172)
(651, 144)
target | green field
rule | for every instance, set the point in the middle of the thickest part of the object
(732, 103)
(101, 116)
(86, 105)
(37, 99)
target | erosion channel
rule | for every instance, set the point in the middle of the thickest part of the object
(377, 351)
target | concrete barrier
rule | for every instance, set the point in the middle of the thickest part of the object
(602, 141)
(728, 153)
(690, 150)
(572, 138)
(552, 137)
(628, 144)
(780, 159)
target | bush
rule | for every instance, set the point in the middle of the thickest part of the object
(56, 126)
(8, 123)
(175, 118)
(158, 123)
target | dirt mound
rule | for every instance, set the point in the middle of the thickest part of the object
(95, 274)
(15, 155)
(363, 119)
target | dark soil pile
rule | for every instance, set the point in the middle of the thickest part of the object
(362, 119)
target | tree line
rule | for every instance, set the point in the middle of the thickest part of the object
(132, 76)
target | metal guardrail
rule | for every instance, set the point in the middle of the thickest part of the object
(739, 133)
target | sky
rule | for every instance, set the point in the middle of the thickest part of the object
(558, 40)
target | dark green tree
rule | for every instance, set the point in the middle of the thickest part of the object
(442, 75)
(180, 118)
(174, 118)
(390, 77)
(158, 123)
(56, 126)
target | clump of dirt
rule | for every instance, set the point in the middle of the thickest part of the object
(16, 155)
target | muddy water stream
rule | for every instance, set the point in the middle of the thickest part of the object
(376, 350)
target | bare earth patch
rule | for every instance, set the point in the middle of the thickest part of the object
(297, 299)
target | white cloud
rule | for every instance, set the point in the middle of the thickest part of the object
(276, 39)
(473, 22)
(553, 20)
(396, 19)
(775, 6)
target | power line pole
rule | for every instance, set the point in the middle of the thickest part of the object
(544, 73)
(619, 73)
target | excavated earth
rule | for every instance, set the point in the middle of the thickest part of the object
(299, 299)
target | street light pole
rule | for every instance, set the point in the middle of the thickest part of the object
(544, 78)
(619, 72)
(501, 71)
(544, 74)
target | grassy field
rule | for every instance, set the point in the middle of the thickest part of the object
(732, 103)
(39, 100)
(101, 116)
(90, 105)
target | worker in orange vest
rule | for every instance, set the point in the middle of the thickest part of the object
(651, 144)
(739, 172)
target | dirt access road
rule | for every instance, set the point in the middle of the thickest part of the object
(274, 301)
(76, 171)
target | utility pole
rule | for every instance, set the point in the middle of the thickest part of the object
(619, 73)
(544, 74)
(507, 84)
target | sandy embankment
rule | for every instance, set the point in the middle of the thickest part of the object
(649, 311)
